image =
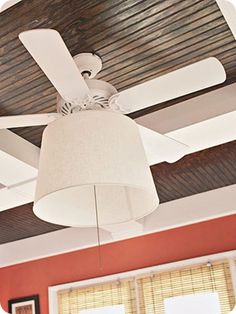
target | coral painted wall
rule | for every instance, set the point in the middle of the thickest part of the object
(34, 277)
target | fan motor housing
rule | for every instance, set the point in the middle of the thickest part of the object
(101, 92)
(89, 65)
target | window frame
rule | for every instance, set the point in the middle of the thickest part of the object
(229, 256)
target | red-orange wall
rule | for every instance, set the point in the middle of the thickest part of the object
(168, 246)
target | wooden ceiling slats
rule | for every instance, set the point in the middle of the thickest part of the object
(161, 30)
(225, 167)
(127, 26)
(28, 94)
(14, 44)
(20, 223)
(171, 45)
(6, 80)
(44, 106)
(201, 177)
(22, 12)
(21, 49)
(116, 14)
(9, 72)
(26, 90)
(154, 36)
(9, 42)
(174, 61)
(6, 85)
(176, 185)
(31, 133)
(169, 189)
(185, 58)
(187, 189)
(29, 104)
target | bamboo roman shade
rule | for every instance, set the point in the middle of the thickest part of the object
(101, 295)
(154, 289)
(146, 294)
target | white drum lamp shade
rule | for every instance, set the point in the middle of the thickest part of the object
(93, 161)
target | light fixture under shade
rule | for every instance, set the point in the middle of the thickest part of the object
(93, 160)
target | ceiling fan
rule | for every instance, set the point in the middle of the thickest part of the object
(73, 79)
(79, 92)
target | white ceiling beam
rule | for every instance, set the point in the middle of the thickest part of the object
(125, 230)
(19, 148)
(200, 123)
(18, 170)
(191, 111)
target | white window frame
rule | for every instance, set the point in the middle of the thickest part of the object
(230, 256)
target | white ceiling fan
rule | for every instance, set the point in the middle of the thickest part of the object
(79, 92)
(73, 79)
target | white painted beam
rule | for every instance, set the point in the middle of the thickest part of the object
(18, 170)
(125, 230)
(200, 123)
(191, 111)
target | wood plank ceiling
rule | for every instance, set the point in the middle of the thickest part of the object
(137, 40)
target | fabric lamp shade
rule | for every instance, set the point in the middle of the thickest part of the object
(93, 161)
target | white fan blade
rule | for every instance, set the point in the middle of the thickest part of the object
(7, 122)
(228, 9)
(50, 52)
(192, 78)
(208, 133)
(161, 148)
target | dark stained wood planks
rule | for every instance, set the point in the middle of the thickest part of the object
(20, 223)
(202, 171)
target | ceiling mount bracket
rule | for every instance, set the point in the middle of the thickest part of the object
(88, 63)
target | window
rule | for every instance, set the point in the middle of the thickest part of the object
(204, 303)
(118, 295)
(193, 289)
(155, 289)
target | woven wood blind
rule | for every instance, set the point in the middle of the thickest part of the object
(199, 279)
(101, 295)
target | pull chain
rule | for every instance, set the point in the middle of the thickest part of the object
(98, 231)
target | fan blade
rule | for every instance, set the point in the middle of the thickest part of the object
(192, 78)
(50, 52)
(160, 147)
(7, 122)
